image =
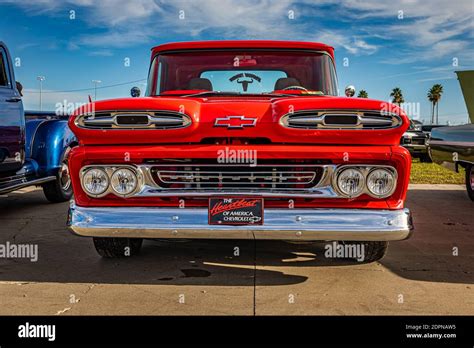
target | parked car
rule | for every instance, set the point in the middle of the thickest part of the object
(414, 139)
(240, 140)
(32, 151)
(453, 147)
(427, 128)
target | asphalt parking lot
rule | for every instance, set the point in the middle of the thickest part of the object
(417, 276)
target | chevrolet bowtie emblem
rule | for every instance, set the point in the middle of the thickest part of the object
(235, 122)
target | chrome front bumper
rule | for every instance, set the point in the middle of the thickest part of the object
(283, 224)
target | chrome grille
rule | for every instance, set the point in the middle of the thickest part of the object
(134, 120)
(235, 177)
(340, 119)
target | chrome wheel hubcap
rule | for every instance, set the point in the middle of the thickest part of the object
(64, 177)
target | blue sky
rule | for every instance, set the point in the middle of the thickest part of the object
(411, 44)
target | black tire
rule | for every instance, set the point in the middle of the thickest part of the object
(60, 190)
(373, 251)
(425, 158)
(470, 181)
(117, 247)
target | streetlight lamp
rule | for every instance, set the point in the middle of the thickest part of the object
(95, 82)
(41, 79)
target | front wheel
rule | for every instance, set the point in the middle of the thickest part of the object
(425, 158)
(470, 181)
(117, 247)
(60, 190)
(370, 251)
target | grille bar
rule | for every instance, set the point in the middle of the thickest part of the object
(213, 177)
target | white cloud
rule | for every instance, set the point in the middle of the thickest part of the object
(124, 23)
(353, 45)
(431, 29)
(101, 53)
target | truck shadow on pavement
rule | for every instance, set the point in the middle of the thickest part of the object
(442, 246)
(73, 259)
(66, 258)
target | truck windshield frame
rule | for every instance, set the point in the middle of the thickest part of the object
(171, 72)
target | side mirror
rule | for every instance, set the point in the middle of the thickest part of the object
(19, 88)
(135, 92)
(350, 91)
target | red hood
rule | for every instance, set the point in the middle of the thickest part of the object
(266, 111)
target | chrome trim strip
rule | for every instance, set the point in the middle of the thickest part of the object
(451, 143)
(371, 120)
(283, 224)
(323, 192)
(27, 183)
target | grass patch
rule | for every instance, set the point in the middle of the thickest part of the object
(431, 173)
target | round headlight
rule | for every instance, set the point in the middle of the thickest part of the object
(380, 182)
(124, 181)
(351, 182)
(95, 181)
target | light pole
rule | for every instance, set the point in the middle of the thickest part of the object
(95, 82)
(41, 79)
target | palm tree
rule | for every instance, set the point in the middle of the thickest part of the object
(431, 98)
(397, 96)
(434, 96)
(363, 94)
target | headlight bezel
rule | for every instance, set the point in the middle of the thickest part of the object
(112, 177)
(361, 184)
(393, 173)
(84, 185)
(365, 170)
(110, 170)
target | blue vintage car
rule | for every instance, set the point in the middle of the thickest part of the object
(34, 146)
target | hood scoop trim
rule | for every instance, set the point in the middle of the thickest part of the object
(155, 120)
(343, 119)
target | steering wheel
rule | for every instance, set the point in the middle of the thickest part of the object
(298, 88)
(245, 79)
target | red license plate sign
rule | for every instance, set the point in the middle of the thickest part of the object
(235, 211)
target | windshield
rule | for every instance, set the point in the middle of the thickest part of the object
(242, 72)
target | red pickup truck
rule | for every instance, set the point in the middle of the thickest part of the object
(240, 140)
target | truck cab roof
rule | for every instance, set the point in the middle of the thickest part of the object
(239, 44)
